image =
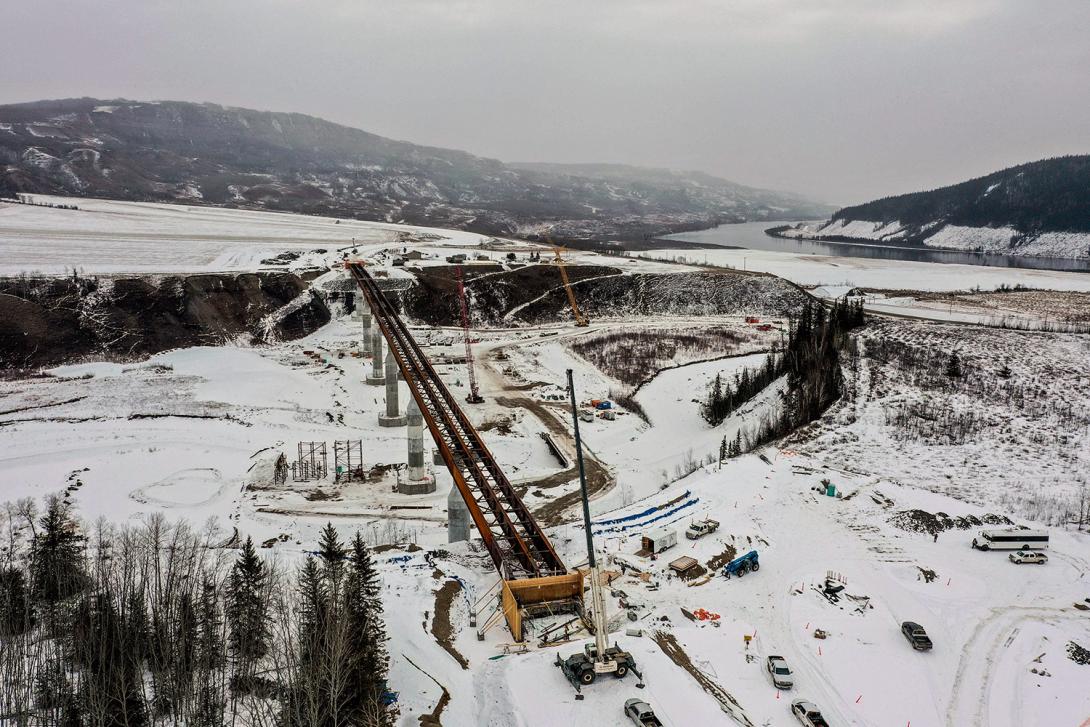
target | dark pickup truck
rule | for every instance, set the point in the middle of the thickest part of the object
(916, 636)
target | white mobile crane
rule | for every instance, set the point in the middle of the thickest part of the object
(583, 667)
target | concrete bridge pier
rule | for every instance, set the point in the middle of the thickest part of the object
(377, 377)
(365, 322)
(393, 416)
(419, 481)
(457, 517)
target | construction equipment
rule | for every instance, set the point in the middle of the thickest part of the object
(533, 578)
(474, 395)
(742, 565)
(580, 319)
(599, 657)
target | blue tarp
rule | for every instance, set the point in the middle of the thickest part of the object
(645, 523)
(637, 516)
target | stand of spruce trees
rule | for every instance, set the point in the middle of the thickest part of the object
(159, 625)
(810, 359)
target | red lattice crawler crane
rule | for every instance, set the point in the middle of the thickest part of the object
(474, 395)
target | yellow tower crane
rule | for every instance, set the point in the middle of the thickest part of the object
(580, 319)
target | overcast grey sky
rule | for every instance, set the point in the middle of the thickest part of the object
(843, 100)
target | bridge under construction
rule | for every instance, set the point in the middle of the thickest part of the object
(534, 579)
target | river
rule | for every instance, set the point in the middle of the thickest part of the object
(751, 236)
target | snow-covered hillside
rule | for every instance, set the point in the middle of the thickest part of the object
(937, 234)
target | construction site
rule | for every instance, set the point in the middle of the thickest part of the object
(519, 434)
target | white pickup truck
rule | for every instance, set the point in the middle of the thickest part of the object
(702, 528)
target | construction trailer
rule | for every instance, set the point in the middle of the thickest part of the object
(657, 541)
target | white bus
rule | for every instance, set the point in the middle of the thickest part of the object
(1011, 540)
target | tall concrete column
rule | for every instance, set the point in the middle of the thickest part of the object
(393, 416)
(415, 440)
(365, 320)
(419, 481)
(377, 375)
(457, 517)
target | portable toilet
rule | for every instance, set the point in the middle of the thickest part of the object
(830, 489)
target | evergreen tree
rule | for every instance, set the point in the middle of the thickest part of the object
(15, 610)
(110, 680)
(953, 366)
(209, 711)
(363, 610)
(247, 610)
(185, 638)
(312, 612)
(136, 626)
(57, 556)
(307, 703)
(710, 409)
(333, 554)
(209, 655)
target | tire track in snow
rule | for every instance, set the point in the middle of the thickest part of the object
(971, 659)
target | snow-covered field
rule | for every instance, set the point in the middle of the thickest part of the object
(193, 433)
(106, 236)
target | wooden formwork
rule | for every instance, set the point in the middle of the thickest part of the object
(523, 597)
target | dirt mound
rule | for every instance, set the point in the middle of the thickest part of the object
(921, 521)
(1078, 654)
(718, 561)
(441, 627)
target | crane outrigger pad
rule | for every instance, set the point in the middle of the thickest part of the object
(523, 598)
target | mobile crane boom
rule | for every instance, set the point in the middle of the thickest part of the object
(580, 319)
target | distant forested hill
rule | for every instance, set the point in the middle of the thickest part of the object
(1039, 209)
(204, 153)
(1051, 195)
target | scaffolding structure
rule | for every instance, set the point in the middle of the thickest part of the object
(312, 464)
(348, 460)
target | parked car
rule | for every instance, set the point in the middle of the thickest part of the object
(1028, 556)
(808, 713)
(780, 672)
(640, 713)
(916, 636)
